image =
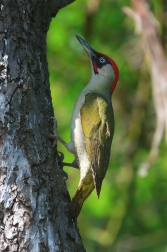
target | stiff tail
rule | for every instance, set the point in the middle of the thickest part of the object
(81, 194)
(98, 184)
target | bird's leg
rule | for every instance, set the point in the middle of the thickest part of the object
(55, 135)
(74, 164)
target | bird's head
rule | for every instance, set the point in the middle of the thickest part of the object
(102, 64)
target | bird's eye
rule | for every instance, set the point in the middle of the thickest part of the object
(102, 60)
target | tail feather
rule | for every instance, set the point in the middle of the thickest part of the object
(81, 194)
(98, 184)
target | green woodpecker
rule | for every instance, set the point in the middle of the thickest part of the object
(92, 127)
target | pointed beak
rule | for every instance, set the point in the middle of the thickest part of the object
(90, 51)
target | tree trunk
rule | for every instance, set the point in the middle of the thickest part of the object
(33, 196)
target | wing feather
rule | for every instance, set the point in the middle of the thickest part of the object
(97, 121)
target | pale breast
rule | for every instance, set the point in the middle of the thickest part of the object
(80, 146)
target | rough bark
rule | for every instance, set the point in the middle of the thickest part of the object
(33, 196)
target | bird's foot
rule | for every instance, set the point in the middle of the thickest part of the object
(60, 163)
(74, 164)
(61, 156)
(53, 136)
(54, 123)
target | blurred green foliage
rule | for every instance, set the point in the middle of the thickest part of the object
(131, 214)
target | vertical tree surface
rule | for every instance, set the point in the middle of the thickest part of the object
(33, 196)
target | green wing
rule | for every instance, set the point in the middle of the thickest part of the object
(97, 121)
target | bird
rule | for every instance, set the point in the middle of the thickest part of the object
(92, 127)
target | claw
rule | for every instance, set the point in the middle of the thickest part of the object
(74, 164)
(54, 122)
(55, 136)
(61, 156)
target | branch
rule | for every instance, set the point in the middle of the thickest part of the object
(146, 25)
